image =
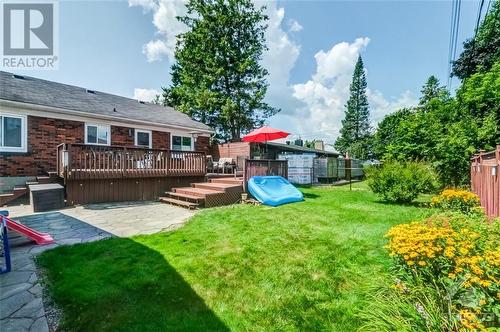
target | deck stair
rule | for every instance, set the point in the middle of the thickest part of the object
(22, 190)
(217, 192)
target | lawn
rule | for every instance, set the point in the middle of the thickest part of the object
(305, 266)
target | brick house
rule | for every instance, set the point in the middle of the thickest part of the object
(76, 133)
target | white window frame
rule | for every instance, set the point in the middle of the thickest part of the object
(137, 131)
(108, 128)
(24, 134)
(181, 136)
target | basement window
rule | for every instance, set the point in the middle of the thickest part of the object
(97, 134)
(13, 133)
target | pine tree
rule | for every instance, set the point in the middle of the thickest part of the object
(217, 77)
(355, 132)
(431, 90)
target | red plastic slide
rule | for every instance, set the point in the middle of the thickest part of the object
(39, 238)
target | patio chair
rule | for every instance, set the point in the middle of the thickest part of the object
(225, 165)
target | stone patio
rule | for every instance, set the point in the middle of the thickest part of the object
(21, 304)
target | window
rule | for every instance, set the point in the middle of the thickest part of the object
(143, 138)
(97, 134)
(182, 143)
(13, 133)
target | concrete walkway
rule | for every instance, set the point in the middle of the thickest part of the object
(122, 219)
(21, 304)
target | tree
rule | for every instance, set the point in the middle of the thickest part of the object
(431, 90)
(387, 129)
(217, 77)
(309, 144)
(482, 51)
(355, 131)
(451, 130)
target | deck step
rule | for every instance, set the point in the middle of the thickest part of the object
(186, 196)
(196, 191)
(174, 201)
(230, 180)
(43, 179)
(14, 194)
(215, 186)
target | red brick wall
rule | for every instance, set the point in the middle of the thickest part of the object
(122, 136)
(161, 140)
(202, 144)
(43, 137)
(44, 134)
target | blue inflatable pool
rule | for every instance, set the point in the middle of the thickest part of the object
(273, 190)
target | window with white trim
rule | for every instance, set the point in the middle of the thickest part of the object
(143, 138)
(182, 143)
(13, 133)
(97, 134)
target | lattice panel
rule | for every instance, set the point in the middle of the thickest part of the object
(231, 196)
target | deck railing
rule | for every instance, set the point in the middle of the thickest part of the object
(83, 161)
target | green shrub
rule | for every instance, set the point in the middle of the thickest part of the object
(402, 181)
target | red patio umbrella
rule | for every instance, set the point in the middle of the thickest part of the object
(264, 134)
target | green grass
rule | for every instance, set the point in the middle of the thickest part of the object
(306, 266)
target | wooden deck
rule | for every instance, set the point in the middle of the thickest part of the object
(96, 174)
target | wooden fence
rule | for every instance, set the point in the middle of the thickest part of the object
(254, 167)
(485, 180)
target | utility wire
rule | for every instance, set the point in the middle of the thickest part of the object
(479, 14)
(450, 45)
(488, 8)
(455, 44)
(454, 32)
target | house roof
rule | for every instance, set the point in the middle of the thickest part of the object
(30, 90)
(303, 149)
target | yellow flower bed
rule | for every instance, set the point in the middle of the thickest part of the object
(459, 256)
(457, 200)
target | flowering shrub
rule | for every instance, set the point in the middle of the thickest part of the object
(458, 256)
(457, 200)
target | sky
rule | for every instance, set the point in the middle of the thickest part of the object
(126, 48)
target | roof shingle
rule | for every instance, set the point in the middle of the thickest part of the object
(36, 91)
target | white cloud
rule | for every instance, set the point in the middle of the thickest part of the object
(380, 106)
(146, 4)
(166, 24)
(294, 26)
(145, 94)
(315, 107)
(278, 60)
(339, 60)
(326, 93)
